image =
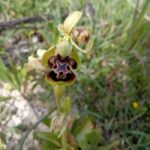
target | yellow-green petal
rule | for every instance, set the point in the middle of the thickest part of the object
(76, 57)
(49, 53)
(71, 21)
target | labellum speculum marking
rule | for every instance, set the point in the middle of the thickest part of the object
(62, 68)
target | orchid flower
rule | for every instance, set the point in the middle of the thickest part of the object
(60, 61)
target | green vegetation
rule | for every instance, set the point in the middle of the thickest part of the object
(113, 85)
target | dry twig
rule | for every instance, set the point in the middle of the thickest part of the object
(28, 20)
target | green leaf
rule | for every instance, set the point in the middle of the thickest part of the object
(51, 138)
(94, 137)
(2, 98)
(4, 71)
(81, 128)
(105, 70)
(48, 146)
(47, 121)
(12, 74)
(16, 76)
(112, 145)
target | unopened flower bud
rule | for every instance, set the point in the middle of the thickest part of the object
(64, 48)
(57, 123)
(34, 63)
(81, 35)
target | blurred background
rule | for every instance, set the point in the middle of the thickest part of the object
(113, 84)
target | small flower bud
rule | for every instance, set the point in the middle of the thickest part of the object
(81, 35)
(34, 63)
(64, 48)
(57, 123)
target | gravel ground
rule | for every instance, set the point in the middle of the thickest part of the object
(17, 116)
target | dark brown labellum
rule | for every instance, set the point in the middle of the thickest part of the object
(62, 68)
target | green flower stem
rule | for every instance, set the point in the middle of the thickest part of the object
(58, 92)
(64, 140)
(58, 104)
